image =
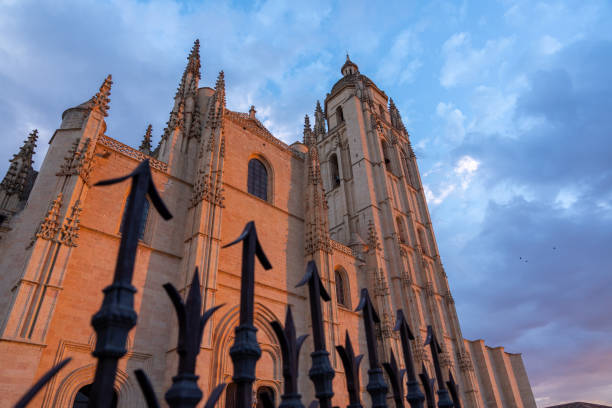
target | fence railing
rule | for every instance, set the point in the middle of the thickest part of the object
(117, 317)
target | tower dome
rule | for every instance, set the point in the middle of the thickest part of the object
(349, 67)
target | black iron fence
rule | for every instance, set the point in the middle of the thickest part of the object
(117, 317)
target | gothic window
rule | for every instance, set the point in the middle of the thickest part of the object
(82, 398)
(257, 182)
(406, 167)
(385, 152)
(143, 221)
(423, 241)
(339, 115)
(263, 392)
(342, 292)
(401, 231)
(334, 172)
(382, 110)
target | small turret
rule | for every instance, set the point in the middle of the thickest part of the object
(349, 67)
(145, 146)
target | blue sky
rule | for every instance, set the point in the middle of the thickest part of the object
(508, 104)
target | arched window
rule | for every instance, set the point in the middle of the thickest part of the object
(333, 171)
(339, 115)
(405, 166)
(400, 230)
(143, 222)
(423, 241)
(82, 398)
(257, 182)
(265, 393)
(382, 110)
(385, 152)
(342, 289)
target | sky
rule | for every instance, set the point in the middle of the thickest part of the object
(508, 104)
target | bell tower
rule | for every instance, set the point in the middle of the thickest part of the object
(377, 207)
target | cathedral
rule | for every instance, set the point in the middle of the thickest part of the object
(349, 197)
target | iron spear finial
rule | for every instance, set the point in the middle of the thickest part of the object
(246, 351)
(290, 347)
(454, 390)
(395, 378)
(351, 364)
(185, 391)
(428, 386)
(414, 397)
(377, 388)
(321, 373)
(444, 400)
(117, 316)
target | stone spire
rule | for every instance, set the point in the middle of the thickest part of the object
(145, 146)
(185, 99)
(101, 100)
(319, 127)
(18, 178)
(191, 75)
(308, 135)
(216, 108)
(396, 118)
(193, 60)
(317, 228)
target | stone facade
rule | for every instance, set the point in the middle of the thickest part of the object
(349, 197)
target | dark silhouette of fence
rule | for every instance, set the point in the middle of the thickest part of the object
(117, 317)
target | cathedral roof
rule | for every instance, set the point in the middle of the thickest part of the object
(253, 124)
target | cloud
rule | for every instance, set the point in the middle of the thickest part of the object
(402, 61)
(464, 63)
(546, 226)
(454, 121)
(549, 45)
(466, 168)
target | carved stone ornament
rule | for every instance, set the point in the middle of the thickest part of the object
(465, 362)
(373, 241)
(445, 360)
(429, 289)
(50, 226)
(70, 230)
(78, 161)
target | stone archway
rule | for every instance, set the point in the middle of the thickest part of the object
(128, 394)
(269, 366)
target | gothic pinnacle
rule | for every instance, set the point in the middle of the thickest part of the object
(193, 64)
(307, 131)
(307, 124)
(20, 168)
(220, 84)
(396, 118)
(145, 146)
(220, 88)
(101, 99)
(319, 127)
(27, 150)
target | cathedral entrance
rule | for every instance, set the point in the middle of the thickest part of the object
(262, 392)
